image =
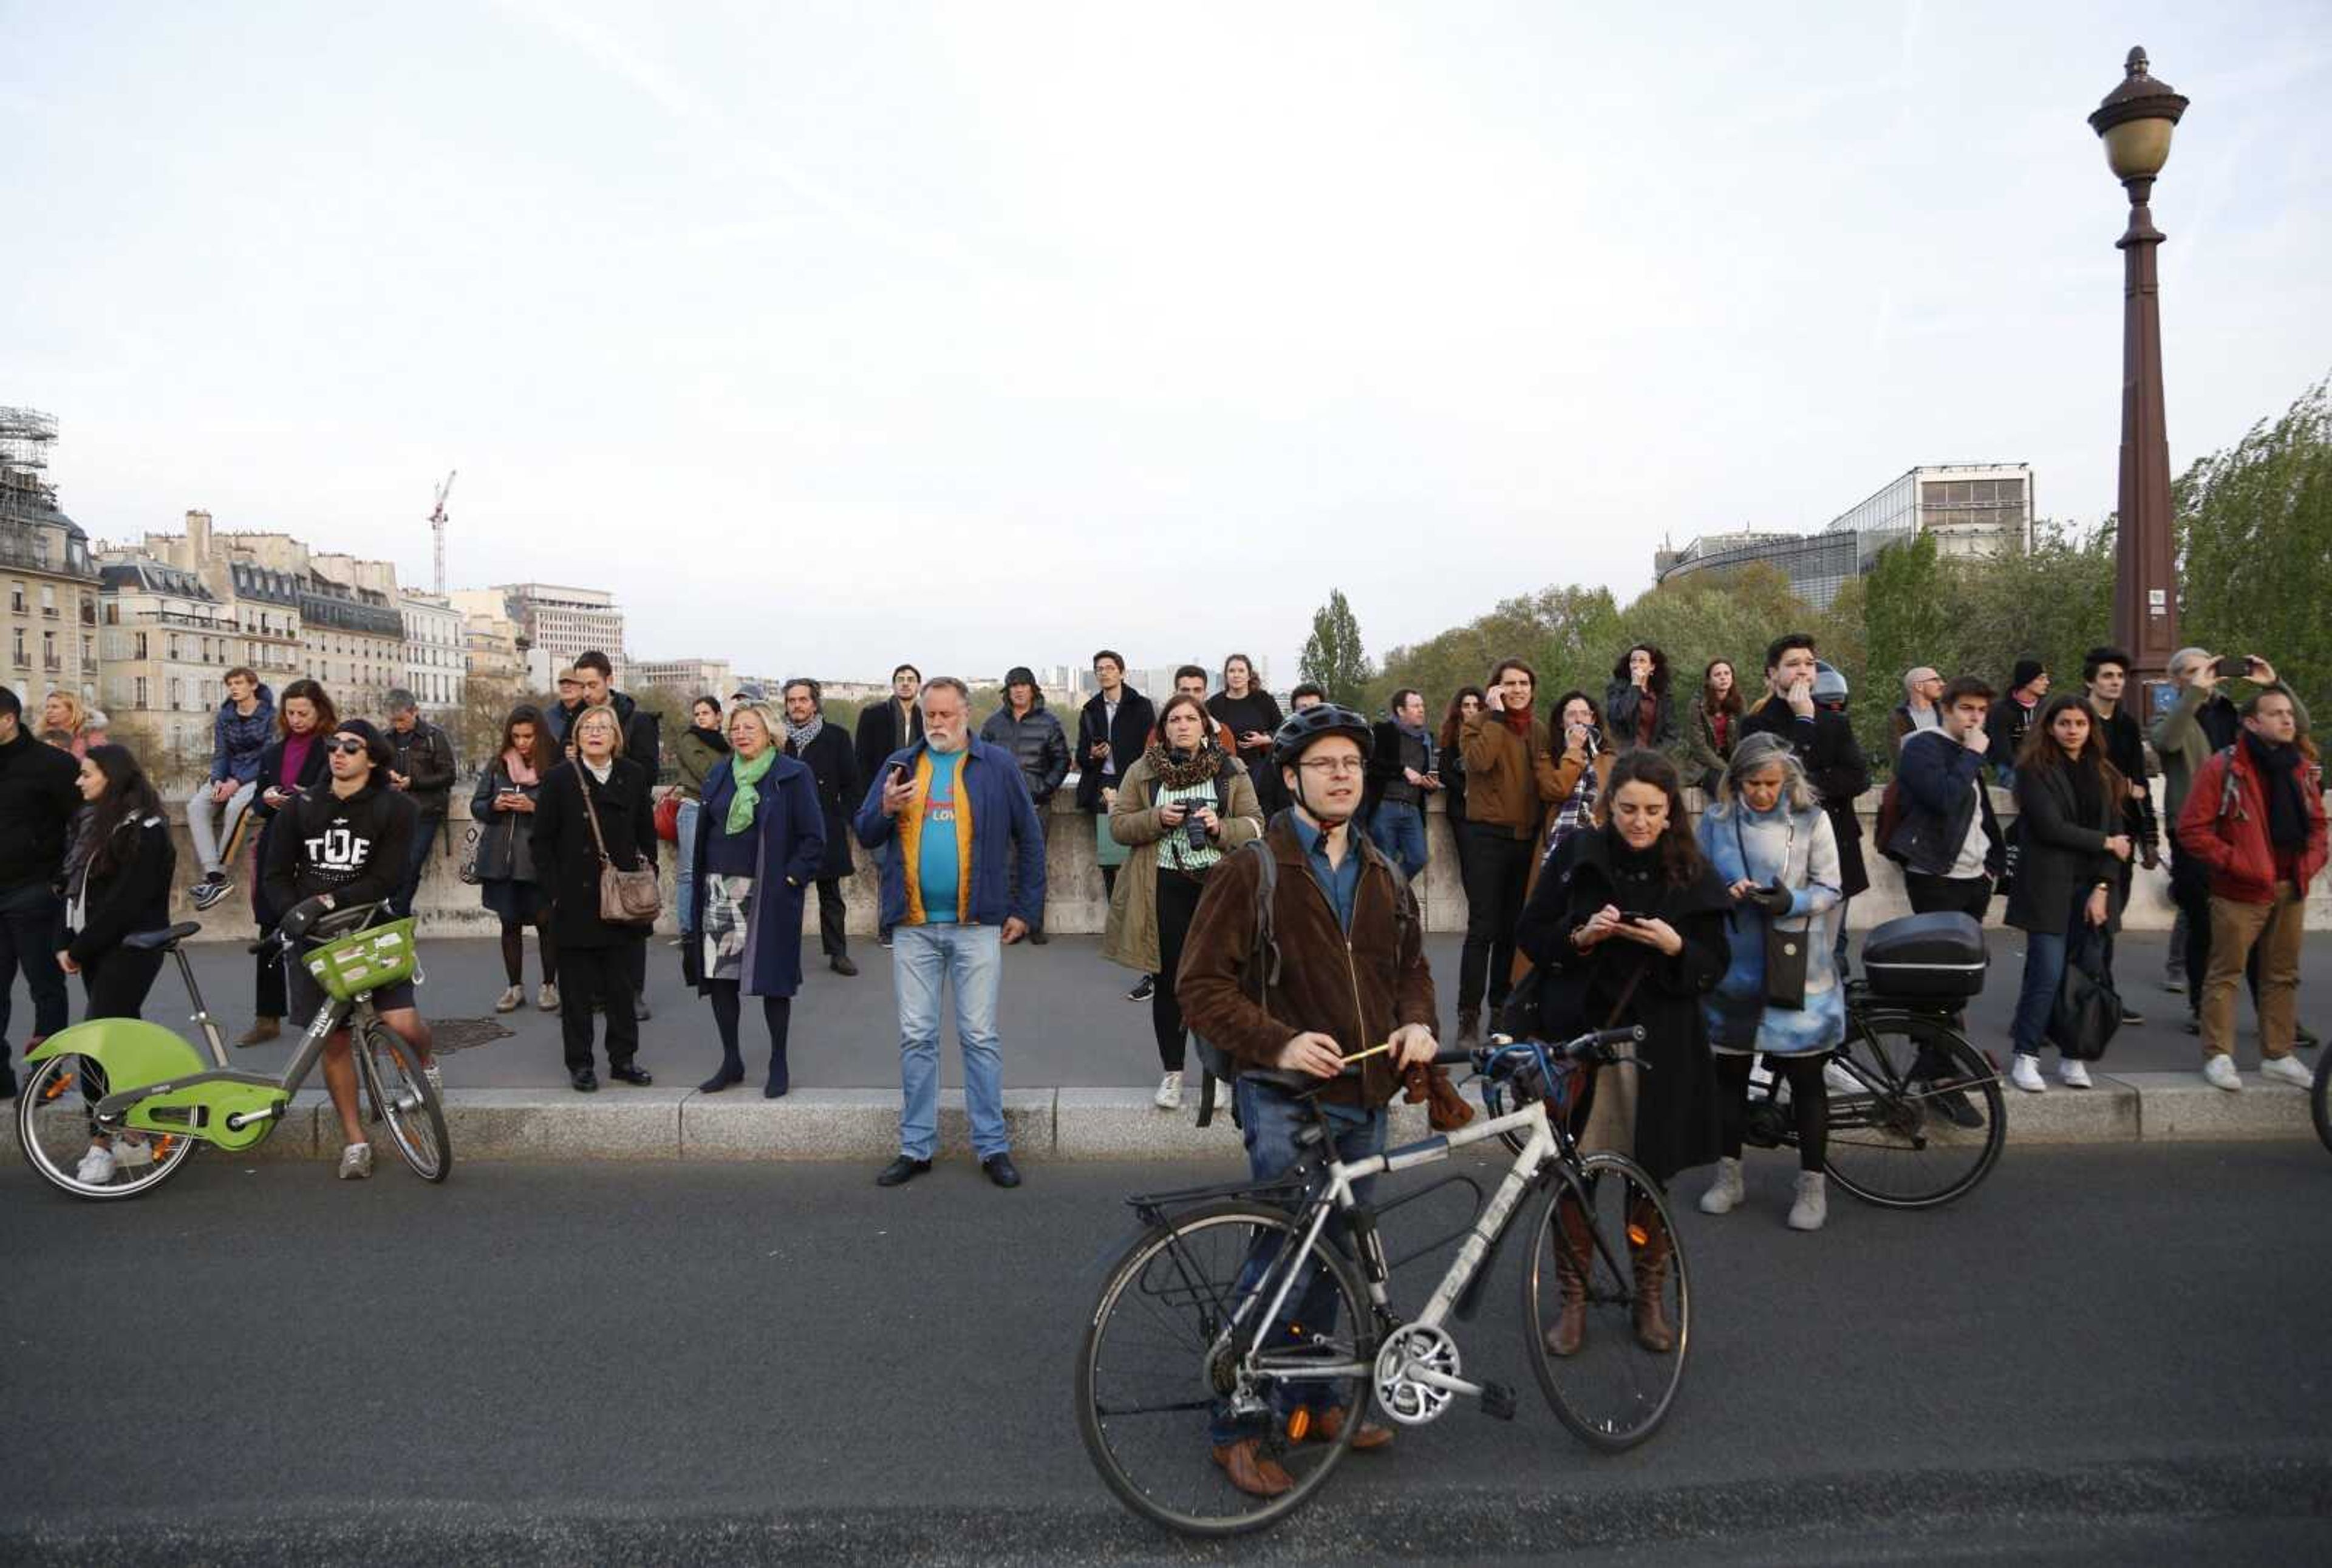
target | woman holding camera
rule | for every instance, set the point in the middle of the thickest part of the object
(2074, 843)
(1773, 846)
(1179, 809)
(1629, 928)
(502, 807)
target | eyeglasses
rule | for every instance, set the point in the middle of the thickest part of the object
(345, 745)
(1332, 767)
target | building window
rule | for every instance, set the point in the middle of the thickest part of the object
(139, 683)
(48, 600)
(16, 597)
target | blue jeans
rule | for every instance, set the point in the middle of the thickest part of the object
(28, 941)
(1399, 830)
(684, 878)
(2045, 957)
(1269, 1119)
(971, 957)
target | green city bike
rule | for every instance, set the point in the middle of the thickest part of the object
(145, 1089)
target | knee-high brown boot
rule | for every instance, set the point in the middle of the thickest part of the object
(1653, 1330)
(1574, 1250)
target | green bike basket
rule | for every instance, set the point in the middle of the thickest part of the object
(348, 966)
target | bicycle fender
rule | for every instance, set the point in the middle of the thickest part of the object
(133, 1052)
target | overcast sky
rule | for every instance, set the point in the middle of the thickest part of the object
(986, 333)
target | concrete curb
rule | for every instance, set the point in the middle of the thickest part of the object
(862, 1124)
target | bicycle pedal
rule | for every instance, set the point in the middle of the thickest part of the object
(1498, 1401)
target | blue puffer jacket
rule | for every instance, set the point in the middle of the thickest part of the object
(1005, 834)
(237, 741)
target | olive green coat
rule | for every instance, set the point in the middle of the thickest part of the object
(1132, 937)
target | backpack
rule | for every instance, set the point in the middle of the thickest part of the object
(1217, 1064)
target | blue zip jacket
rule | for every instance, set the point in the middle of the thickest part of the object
(1005, 834)
(237, 742)
(1934, 774)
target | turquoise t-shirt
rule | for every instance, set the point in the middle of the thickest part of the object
(937, 872)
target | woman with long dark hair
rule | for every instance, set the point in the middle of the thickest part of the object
(1630, 924)
(1252, 715)
(1713, 725)
(2074, 842)
(292, 764)
(121, 887)
(1637, 711)
(1582, 757)
(508, 883)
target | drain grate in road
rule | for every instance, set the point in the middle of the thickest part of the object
(465, 1034)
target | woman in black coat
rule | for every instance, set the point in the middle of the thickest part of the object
(121, 887)
(502, 810)
(2075, 841)
(1628, 927)
(594, 955)
(1637, 708)
(292, 764)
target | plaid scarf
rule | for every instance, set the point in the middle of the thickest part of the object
(1577, 810)
(799, 736)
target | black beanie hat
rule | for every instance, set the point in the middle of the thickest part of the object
(375, 746)
(1020, 674)
(2028, 670)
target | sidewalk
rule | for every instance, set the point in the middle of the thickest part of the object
(1079, 1064)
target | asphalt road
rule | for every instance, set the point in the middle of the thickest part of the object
(2102, 1356)
(1061, 1015)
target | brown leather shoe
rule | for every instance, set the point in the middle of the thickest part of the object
(261, 1030)
(1331, 1425)
(1250, 1472)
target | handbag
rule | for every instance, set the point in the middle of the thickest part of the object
(625, 897)
(2087, 1012)
(667, 818)
(1786, 951)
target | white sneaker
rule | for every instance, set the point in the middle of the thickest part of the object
(1169, 1096)
(1725, 1195)
(437, 1079)
(2220, 1070)
(2026, 1075)
(96, 1167)
(2074, 1075)
(2286, 1070)
(1813, 1205)
(510, 1000)
(547, 999)
(356, 1162)
(132, 1152)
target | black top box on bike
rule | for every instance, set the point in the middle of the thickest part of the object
(1937, 958)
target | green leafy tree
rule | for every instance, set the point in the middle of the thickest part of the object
(2255, 547)
(1333, 657)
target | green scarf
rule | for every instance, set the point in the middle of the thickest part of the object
(748, 777)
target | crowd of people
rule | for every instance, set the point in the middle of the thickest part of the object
(1549, 804)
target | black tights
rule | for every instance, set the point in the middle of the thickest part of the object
(1809, 1101)
(515, 950)
(728, 1010)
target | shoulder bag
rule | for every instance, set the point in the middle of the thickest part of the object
(625, 897)
(1785, 951)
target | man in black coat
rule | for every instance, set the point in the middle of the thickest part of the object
(1824, 743)
(37, 801)
(1113, 727)
(833, 762)
(1025, 727)
(421, 765)
(886, 728)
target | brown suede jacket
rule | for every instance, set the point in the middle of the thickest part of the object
(1357, 993)
(1510, 781)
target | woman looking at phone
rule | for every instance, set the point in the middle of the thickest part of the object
(508, 883)
(1773, 848)
(292, 764)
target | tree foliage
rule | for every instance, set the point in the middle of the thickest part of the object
(1333, 658)
(2255, 548)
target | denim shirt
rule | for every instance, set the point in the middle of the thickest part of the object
(1342, 884)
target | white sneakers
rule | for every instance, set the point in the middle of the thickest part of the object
(1813, 1205)
(2220, 1071)
(2285, 1070)
(510, 1000)
(436, 1079)
(356, 1163)
(132, 1152)
(547, 999)
(1726, 1195)
(2074, 1075)
(2026, 1075)
(96, 1167)
(1169, 1096)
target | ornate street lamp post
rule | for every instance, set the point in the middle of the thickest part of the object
(2135, 121)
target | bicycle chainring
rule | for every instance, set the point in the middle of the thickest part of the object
(1398, 1393)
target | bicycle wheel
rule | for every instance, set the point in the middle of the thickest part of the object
(2319, 1098)
(1158, 1365)
(1892, 1140)
(52, 1123)
(406, 1100)
(1615, 1260)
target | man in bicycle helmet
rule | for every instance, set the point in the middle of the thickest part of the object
(1347, 973)
(332, 850)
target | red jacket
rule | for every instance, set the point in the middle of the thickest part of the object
(2233, 843)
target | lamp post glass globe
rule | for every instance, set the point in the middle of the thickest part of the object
(2136, 120)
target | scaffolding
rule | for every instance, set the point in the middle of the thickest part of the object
(26, 437)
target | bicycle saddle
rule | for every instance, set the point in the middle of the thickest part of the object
(163, 941)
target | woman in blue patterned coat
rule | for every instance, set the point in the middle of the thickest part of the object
(1777, 855)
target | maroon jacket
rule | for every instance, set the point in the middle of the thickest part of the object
(2234, 844)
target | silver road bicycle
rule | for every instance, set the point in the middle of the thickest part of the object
(1263, 1308)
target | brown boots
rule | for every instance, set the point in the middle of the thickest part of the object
(1651, 1256)
(1574, 1256)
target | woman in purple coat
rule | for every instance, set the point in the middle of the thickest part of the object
(761, 838)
